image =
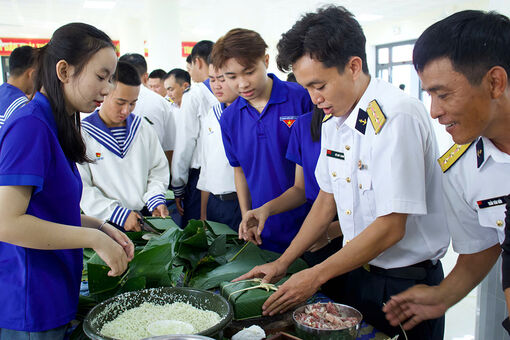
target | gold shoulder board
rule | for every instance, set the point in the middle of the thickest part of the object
(452, 155)
(376, 115)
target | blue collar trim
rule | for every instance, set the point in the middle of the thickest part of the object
(102, 134)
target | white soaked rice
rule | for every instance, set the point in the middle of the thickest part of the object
(132, 324)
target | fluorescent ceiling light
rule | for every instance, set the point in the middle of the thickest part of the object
(97, 4)
(368, 17)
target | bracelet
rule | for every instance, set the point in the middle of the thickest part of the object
(102, 224)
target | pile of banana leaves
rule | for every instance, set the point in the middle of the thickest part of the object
(202, 255)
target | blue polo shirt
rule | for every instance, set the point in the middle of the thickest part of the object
(304, 151)
(39, 289)
(11, 98)
(257, 142)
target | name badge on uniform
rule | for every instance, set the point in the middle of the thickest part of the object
(491, 202)
(288, 120)
(335, 154)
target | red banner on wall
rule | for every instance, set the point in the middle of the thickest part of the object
(187, 46)
(7, 45)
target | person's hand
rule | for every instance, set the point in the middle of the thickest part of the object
(415, 305)
(132, 222)
(297, 289)
(179, 205)
(252, 225)
(112, 253)
(121, 238)
(160, 211)
(269, 273)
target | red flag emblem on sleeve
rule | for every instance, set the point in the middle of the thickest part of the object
(98, 154)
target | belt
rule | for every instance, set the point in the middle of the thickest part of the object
(227, 197)
(416, 271)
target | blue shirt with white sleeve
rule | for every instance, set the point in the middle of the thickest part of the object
(39, 289)
(11, 98)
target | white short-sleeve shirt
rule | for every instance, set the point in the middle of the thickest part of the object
(160, 115)
(196, 102)
(474, 187)
(394, 171)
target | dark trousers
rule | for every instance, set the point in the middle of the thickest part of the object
(367, 291)
(335, 287)
(227, 212)
(191, 198)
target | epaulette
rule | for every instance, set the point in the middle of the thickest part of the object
(452, 155)
(376, 115)
(326, 118)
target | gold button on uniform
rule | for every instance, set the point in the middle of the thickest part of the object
(499, 223)
(361, 186)
(348, 180)
(333, 174)
(348, 212)
(347, 147)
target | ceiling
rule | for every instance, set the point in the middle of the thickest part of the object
(36, 18)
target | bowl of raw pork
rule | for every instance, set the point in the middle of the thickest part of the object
(327, 321)
(155, 312)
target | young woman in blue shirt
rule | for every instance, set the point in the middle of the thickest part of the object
(41, 230)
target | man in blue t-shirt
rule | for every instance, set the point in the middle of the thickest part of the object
(20, 84)
(256, 131)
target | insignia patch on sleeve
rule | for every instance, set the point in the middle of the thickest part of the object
(452, 155)
(376, 115)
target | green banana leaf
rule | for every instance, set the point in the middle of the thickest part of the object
(160, 223)
(152, 264)
(99, 281)
(248, 303)
(136, 283)
(220, 228)
(219, 246)
(250, 257)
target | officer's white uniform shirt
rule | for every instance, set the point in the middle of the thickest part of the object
(195, 104)
(398, 174)
(476, 217)
(160, 113)
(216, 173)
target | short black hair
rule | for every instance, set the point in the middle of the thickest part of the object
(137, 60)
(474, 41)
(157, 73)
(127, 74)
(180, 76)
(202, 49)
(291, 77)
(331, 35)
(20, 60)
(188, 59)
